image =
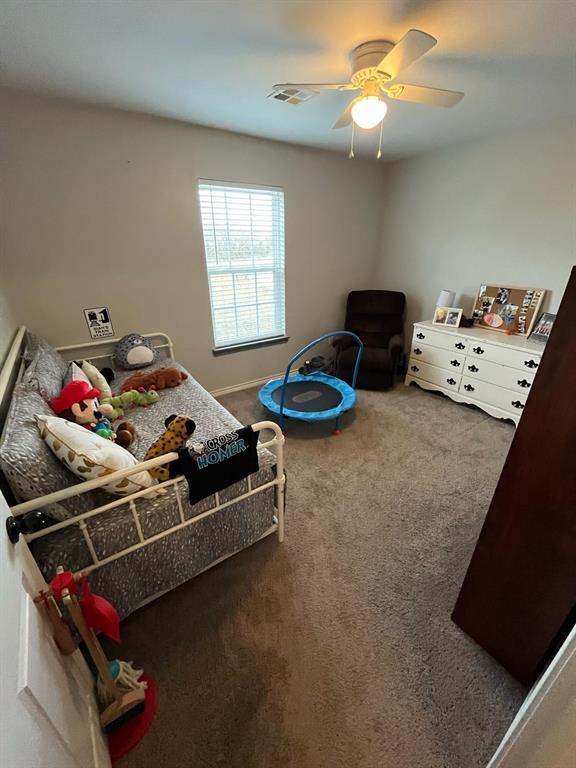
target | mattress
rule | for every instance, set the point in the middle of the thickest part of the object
(134, 578)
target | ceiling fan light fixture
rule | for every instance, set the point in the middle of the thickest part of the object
(369, 111)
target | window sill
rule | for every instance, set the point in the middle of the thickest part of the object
(217, 351)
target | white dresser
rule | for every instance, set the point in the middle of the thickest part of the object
(473, 365)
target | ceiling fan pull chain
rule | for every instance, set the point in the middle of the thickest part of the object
(379, 155)
(351, 155)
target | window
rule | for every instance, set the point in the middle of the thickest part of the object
(244, 244)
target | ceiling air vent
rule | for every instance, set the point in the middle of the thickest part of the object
(292, 95)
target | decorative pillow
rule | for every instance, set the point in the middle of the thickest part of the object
(96, 378)
(47, 368)
(75, 373)
(90, 456)
(134, 351)
(30, 468)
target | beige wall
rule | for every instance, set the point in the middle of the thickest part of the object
(7, 323)
(102, 209)
(7, 317)
(502, 210)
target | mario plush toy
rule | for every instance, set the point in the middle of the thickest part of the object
(78, 402)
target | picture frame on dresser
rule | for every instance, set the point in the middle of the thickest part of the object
(543, 327)
(447, 316)
(507, 309)
(440, 315)
(453, 317)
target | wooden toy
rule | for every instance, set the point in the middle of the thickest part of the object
(123, 694)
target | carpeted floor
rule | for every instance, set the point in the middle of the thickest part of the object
(336, 649)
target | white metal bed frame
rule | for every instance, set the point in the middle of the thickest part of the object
(11, 374)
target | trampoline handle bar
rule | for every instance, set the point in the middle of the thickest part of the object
(305, 349)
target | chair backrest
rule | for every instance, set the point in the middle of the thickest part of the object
(375, 316)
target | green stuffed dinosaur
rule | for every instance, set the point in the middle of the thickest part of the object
(126, 399)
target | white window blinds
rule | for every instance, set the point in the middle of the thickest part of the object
(244, 245)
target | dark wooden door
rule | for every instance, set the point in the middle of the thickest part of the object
(519, 592)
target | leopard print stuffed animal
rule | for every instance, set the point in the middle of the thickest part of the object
(178, 431)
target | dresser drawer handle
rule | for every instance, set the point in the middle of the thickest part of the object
(517, 404)
(420, 336)
(531, 363)
(468, 387)
(455, 363)
(417, 351)
(480, 351)
(523, 383)
(459, 345)
(473, 368)
(414, 368)
(451, 381)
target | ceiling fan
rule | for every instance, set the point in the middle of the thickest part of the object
(375, 67)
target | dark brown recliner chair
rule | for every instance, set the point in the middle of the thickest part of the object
(377, 317)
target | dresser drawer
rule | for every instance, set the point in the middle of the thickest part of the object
(434, 375)
(502, 375)
(506, 399)
(442, 340)
(443, 358)
(525, 361)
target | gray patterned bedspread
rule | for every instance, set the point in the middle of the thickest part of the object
(164, 564)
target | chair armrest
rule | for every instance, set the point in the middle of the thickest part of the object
(396, 346)
(339, 345)
(342, 343)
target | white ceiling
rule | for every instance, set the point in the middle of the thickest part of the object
(214, 62)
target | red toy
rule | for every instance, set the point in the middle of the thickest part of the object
(99, 614)
(132, 696)
(128, 735)
(78, 402)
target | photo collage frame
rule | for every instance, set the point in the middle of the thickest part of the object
(507, 309)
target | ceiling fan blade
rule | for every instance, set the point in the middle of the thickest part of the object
(409, 49)
(436, 97)
(346, 116)
(312, 86)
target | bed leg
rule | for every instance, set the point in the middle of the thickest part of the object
(281, 509)
(280, 474)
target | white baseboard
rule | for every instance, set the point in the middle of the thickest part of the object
(248, 384)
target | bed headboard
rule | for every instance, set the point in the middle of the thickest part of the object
(11, 371)
(9, 375)
(99, 351)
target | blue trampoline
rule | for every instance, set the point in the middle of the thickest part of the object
(317, 396)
